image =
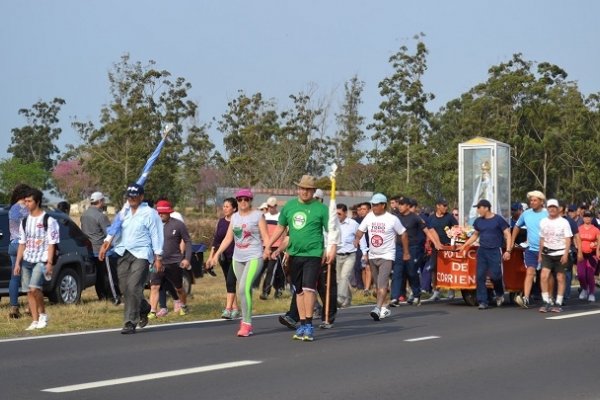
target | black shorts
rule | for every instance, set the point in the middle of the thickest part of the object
(305, 272)
(553, 264)
(171, 272)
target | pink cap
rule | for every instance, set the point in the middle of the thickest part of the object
(244, 192)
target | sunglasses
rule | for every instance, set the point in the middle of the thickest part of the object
(247, 199)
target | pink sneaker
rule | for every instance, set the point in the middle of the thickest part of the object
(177, 306)
(245, 330)
(162, 312)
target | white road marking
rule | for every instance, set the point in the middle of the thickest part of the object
(576, 315)
(147, 377)
(419, 339)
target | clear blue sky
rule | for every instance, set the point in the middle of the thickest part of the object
(65, 48)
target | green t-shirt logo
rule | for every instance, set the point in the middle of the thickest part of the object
(299, 220)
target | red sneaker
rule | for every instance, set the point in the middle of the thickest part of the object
(245, 330)
(402, 299)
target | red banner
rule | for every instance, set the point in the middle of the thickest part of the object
(458, 270)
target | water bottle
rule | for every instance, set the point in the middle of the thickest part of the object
(47, 274)
(152, 268)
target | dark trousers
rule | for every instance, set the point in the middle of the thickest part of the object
(133, 275)
(358, 267)
(227, 268)
(274, 277)
(103, 290)
(406, 271)
(489, 262)
(322, 290)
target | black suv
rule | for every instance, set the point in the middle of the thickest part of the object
(74, 270)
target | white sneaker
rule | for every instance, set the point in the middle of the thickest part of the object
(499, 301)
(435, 296)
(375, 312)
(583, 295)
(385, 312)
(33, 326)
(43, 321)
(592, 298)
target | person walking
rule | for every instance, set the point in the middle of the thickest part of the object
(346, 255)
(246, 229)
(17, 212)
(274, 276)
(38, 236)
(436, 225)
(138, 244)
(94, 223)
(306, 219)
(491, 230)
(383, 228)
(230, 206)
(587, 257)
(174, 261)
(530, 219)
(555, 242)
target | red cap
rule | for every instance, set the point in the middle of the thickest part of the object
(164, 207)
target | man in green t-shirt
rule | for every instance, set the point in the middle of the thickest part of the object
(306, 219)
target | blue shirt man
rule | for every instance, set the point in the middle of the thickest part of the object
(139, 243)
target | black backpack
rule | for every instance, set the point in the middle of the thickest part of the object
(45, 223)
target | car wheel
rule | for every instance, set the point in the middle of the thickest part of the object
(187, 282)
(470, 297)
(67, 289)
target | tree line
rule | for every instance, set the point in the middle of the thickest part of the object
(552, 128)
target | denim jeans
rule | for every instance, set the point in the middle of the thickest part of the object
(406, 268)
(15, 280)
(489, 262)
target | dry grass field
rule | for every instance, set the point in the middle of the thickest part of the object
(206, 302)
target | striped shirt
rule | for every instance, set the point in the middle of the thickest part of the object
(36, 239)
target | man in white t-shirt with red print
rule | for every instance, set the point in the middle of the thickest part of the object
(37, 245)
(382, 228)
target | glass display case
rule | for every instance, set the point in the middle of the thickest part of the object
(483, 173)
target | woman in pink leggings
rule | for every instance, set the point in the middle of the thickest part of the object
(587, 257)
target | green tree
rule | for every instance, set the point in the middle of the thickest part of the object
(402, 124)
(14, 171)
(143, 100)
(34, 142)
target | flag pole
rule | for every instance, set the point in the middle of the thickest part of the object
(333, 234)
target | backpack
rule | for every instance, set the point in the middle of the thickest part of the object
(45, 223)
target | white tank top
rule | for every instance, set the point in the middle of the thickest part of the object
(246, 236)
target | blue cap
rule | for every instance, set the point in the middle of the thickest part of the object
(378, 198)
(516, 206)
(572, 207)
(134, 190)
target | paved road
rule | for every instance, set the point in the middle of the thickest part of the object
(505, 353)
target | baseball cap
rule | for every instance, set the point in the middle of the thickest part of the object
(244, 192)
(516, 206)
(96, 196)
(572, 207)
(164, 207)
(272, 201)
(263, 206)
(441, 201)
(552, 203)
(483, 203)
(318, 194)
(588, 213)
(378, 198)
(134, 190)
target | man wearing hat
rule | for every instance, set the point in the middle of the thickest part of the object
(383, 229)
(436, 225)
(306, 219)
(530, 219)
(491, 230)
(138, 244)
(94, 223)
(174, 232)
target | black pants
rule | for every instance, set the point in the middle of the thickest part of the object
(102, 282)
(322, 290)
(274, 277)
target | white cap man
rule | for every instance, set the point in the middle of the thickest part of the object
(96, 197)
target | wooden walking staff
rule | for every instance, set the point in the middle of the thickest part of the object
(333, 237)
